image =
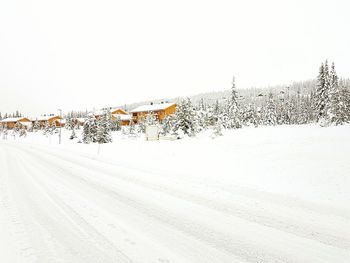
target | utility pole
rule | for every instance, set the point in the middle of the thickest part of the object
(60, 134)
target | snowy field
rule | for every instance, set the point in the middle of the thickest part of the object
(270, 194)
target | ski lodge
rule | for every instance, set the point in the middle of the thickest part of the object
(160, 110)
(9, 123)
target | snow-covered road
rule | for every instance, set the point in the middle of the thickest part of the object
(60, 206)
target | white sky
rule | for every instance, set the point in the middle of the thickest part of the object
(80, 54)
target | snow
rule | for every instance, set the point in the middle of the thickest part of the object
(152, 107)
(267, 194)
(44, 118)
(102, 111)
(123, 117)
(13, 119)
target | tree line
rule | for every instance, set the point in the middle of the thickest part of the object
(325, 101)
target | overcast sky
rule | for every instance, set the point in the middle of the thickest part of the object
(80, 54)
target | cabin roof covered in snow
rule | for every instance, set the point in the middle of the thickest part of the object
(44, 118)
(118, 109)
(153, 107)
(102, 111)
(14, 119)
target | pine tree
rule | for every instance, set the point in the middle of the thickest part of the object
(249, 116)
(17, 127)
(167, 125)
(4, 134)
(104, 127)
(341, 105)
(151, 119)
(338, 109)
(47, 128)
(117, 125)
(90, 129)
(23, 132)
(185, 118)
(203, 114)
(73, 135)
(131, 129)
(53, 127)
(322, 95)
(217, 110)
(69, 124)
(270, 115)
(218, 128)
(232, 116)
(142, 124)
(36, 126)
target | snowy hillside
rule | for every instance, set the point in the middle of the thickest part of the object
(267, 194)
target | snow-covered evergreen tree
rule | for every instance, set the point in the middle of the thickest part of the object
(36, 126)
(343, 109)
(270, 115)
(73, 135)
(117, 124)
(322, 95)
(54, 128)
(69, 124)
(338, 109)
(141, 124)
(4, 134)
(232, 117)
(218, 128)
(132, 129)
(89, 133)
(47, 128)
(249, 116)
(104, 127)
(167, 125)
(23, 132)
(185, 118)
(17, 127)
(151, 119)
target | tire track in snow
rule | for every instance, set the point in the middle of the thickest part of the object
(59, 171)
(251, 193)
(11, 210)
(254, 210)
(88, 230)
(201, 232)
(51, 228)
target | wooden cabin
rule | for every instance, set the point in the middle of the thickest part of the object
(60, 122)
(160, 110)
(117, 113)
(46, 118)
(124, 119)
(9, 123)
